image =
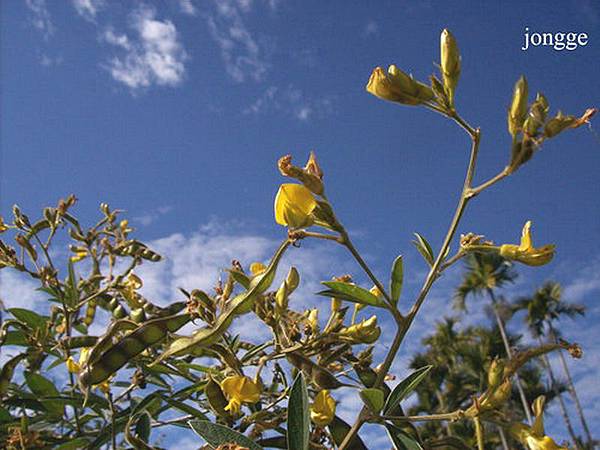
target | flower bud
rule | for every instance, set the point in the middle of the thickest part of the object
(537, 115)
(313, 320)
(365, 332)
(495, 373)
(518, 107)
(256, 268)
(311, 176)
(450, 63)
(397, 86)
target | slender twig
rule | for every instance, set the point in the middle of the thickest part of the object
(431, 276)
(451, 416)
(478, 189)
(113, 428)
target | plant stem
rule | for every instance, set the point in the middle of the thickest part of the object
(346, 242)
(451, 416)
(405, 324)
(113, 427)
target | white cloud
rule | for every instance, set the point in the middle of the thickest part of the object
(291, 101)
(187, 7)
(151, 216)
(19, 291)
(371, 29)
(41, 18)
(88, 8)
(241, 54)
(153, 56)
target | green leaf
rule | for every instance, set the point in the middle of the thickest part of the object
(216, 434)
(142, 427)
(240, 278)
(298, 425)
(42, 387)
(31, 319)
(396, 279)
(17, 338)
(339, 429)
(273, 442)
(424, 248)
(405, 387)
(373, 398)
(401, 440)
(71, 291)
(351, 292)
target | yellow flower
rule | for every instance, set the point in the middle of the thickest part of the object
(239, 389)
(76, 367)
(365, 332)
(3, 226)
(397, 86)
(534, 438)
(294, 206)
(256, 268)
(79, 255)
(322, 410)
(525, 252)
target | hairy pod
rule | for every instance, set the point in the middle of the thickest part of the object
(119, 354)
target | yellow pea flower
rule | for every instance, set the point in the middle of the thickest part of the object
(79, 255)
(256, 268)
(294, 205)
(525, 252)
(3, 226)
(322, 410)
(365, 332)
(239, 389)
(76, 367)
(534, 438)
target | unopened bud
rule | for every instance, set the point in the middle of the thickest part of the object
(365, 332)
(537, 115)
(518, 107)
(495, 373)
(450, 63)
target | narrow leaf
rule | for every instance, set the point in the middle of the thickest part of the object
(397, 279)
(405, 387)
(351, 292)
(373, 398)
(424, 248)
(298, 425)
(31, 319)
(216, 434)
(401, 440)
(339, 429)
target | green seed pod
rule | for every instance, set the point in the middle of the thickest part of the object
(518, 107)
(318, 375)
(80, 341)
(90, 312)
(119, 354)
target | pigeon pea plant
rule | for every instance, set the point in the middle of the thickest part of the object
(117, 387)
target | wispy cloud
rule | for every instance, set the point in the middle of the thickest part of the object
(371, 29)
(151, 216)
(153, 56)
(88, 8)
(187, 7)
(291, 101)
(241, 54)
(40, 17)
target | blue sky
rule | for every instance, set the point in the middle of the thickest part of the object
(178, 111)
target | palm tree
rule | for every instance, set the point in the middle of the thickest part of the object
(543, 309)
(459, 358)
(485, 273)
